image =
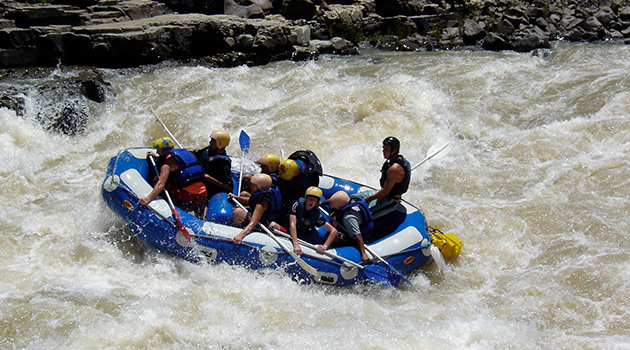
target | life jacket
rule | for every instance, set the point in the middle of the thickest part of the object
(274, 210)
(309, 220)
(400, 187)
(188, 169)
(368, 222)
(310, 162)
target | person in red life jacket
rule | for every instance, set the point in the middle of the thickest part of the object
(395, 178)
(181, 174)
(216, 165)
(354, 221)
(264, 206)
(305, 217)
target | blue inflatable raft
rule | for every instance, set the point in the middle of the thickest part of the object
(403, 241)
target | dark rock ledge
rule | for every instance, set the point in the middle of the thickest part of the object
(128, 33)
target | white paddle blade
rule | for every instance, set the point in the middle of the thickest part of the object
(439, 150)
(437, 257)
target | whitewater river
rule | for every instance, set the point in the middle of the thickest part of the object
(537, 187)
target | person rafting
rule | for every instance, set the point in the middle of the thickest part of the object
(180, 173)
(268, 163)
(297, 173)
(353, 219)
(217, 166)
(304, 218)
(394, 181)
(264, 206)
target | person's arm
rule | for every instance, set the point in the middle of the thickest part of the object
(243, 198)
(332, 235)
(395, 174)
(224, 187)
(165, 171)
(351, 222)
(256, 216)
(364, 258)
(293, 231)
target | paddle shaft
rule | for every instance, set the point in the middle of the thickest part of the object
(308, 268)
(327, 253)
(388, 264)
(178, 221)
(165, 128)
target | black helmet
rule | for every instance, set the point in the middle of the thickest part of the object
(392, 142)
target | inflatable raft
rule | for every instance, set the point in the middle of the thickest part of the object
(401, 241)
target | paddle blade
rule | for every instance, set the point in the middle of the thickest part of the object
(437, 257)
(243, 140)
(381, 275)
(439, 150)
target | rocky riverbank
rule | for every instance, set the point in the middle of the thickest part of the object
(127, 33)
(131, 33)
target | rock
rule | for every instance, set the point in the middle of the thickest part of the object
(473, 31)
(251, 11)
(605, 15)
(495, 42)
(298, 9)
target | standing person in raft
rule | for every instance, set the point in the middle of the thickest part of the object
(216, 165)
(180, 173)
(264, 206)
(353, 219)
(395, 178)
(305, 217)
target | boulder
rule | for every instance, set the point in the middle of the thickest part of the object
(473, 31)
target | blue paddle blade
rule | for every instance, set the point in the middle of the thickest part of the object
(243, 139)
(381, 275)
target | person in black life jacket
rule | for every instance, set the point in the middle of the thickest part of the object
(217, 166)
(353, 219)
(395, 177)
(305, 217)
(264, 206)
(180, 174)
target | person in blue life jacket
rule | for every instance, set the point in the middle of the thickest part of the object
(395, 178)
(305, 217)
(264, 206)
(180, 173)
(353, 219)
(268, 163)
(297, 173)
(216, 165)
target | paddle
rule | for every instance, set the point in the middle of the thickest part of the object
(370, 250)
(165, 128)
(243, 140)
(308, 268)
(388, 264)
(180, 226)
(372, 271)
(435, 152)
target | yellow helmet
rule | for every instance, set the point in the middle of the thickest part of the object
(271, 160)
(288, 169)
(164, 143)
(314, 191)
(339, 199)
(222, 138)
(263, 181)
